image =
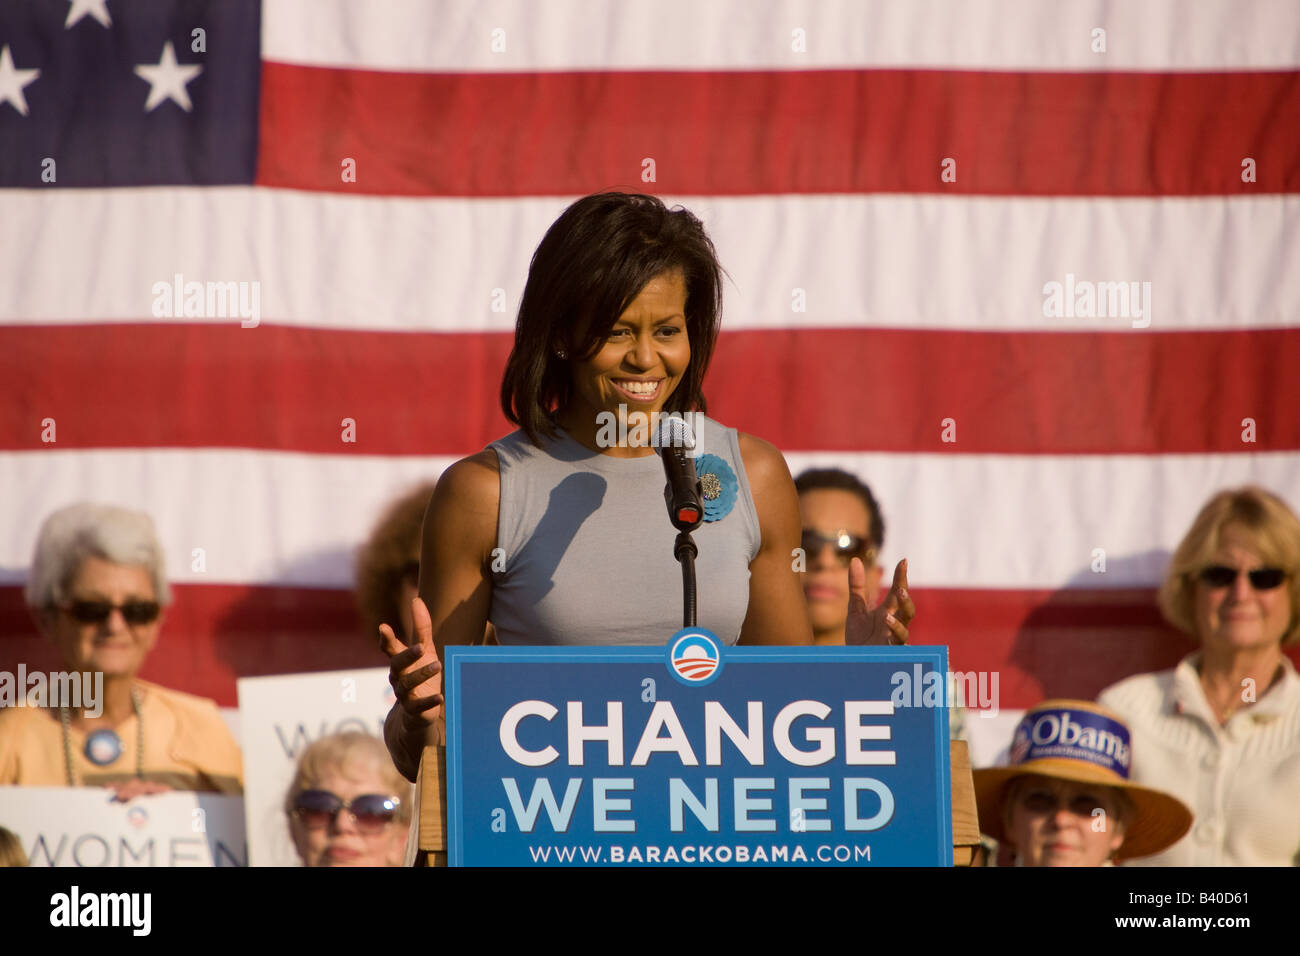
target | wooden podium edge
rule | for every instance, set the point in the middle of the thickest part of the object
(966, 847)
(432, 809)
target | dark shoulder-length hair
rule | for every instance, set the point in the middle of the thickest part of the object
(593, 261)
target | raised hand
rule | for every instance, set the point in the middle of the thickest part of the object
(884, 623)
(414, 673)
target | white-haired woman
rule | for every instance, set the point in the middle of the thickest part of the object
(97, 591)
(1221, 731)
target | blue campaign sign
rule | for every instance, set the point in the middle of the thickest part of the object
(696, 753)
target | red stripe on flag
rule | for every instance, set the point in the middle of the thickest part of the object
(275, 387)
(745, 133)
(1040, 643)
(1010, 392)
(123, 386)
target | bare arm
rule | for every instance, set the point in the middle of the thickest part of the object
(459, 534)
(457, 539)
(777, 611)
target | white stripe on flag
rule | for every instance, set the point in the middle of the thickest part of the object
(417, 35)
(891, 261)
(963, 521)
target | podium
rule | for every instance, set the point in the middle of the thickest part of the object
(431, 826)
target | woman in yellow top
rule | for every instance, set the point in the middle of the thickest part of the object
(97, 591)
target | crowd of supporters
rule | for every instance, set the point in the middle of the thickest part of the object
(1198, 765)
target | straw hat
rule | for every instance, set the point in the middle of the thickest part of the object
(1079, 741)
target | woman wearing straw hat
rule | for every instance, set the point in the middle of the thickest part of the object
(1066, 798)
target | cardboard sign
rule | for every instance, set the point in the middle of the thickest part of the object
(84, 826)
(696, 753)
(279, 717)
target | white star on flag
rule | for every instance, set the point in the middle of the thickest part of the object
(12, 81)
(167, 79)
(80, 8)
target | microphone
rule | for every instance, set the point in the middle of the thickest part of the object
(672, 440)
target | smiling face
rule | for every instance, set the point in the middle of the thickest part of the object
(1239, 617)
(341, 842)
(826, 580)
(113, 646)
(638, 366)
(1054, 822)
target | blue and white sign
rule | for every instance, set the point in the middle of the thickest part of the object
(700, 755)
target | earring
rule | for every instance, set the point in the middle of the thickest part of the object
(561, 354)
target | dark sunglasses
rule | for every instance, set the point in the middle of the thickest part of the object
(845, 545)
(410, 572)
(97, 612)
(372, 811)
(1261, 579)
(1044, 801)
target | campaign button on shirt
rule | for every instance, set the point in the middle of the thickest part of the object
(103, 747)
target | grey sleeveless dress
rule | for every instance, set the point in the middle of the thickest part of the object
(588, 547)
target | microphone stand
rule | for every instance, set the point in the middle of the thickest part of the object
(684, 551)
(673, 441)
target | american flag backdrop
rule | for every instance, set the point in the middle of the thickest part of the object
(891, 186)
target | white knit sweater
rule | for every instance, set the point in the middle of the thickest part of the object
(1242, 780)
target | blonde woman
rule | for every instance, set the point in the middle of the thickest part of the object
(348, 805)
(1221, 731)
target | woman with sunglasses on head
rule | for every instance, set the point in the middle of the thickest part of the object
(97, 591)
(348, 805)
(840, 520)
(558, 532)
(1221, 731)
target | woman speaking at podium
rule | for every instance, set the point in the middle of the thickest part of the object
(558, 532)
